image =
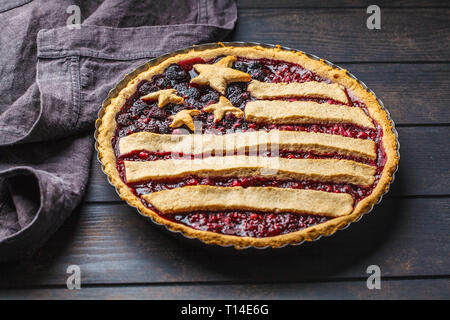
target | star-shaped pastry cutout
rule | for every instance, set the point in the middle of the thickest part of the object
(219, 74)
(164, 97)
(184, 117)
(223, 107)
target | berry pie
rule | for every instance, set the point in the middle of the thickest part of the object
(247, 146)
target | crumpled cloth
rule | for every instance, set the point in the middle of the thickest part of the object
(53, 80)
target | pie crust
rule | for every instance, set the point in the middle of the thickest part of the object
(304, 112)
(241, 142)
(262, 90)
(184, 117)
(267, 199)
(164, 97)
(219, 74)
(327, 170)
(339, 84)
(224, 106)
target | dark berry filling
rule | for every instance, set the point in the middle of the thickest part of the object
(248, 224)
(137, 115)
(266, 70)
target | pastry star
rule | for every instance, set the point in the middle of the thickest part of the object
(184, 117)
(222, 107)
(164, 97)
(219, 74)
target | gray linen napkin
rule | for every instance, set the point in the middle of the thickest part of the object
(52, 82)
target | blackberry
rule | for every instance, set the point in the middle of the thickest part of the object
(138, 107)
(164, 128)
(234, 93)
(152, 126)
(193, 93)
(182, 89)
(158, 113)
(209, 95)
(123, 120)
(146, 88)
(162, 83)
(256, 70)
(176, 74)
(236, 88)
(241, 66)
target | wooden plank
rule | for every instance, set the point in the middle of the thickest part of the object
(390, 289)
(413, 93)
(423, 166)
(341, 35)
(245, 4)
(113, 244)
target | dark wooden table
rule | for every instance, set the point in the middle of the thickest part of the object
(407, 63)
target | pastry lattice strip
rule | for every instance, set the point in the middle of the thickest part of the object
(294, 141)
(305, 112)
(326, 170)
(265, 199)
(312, 89)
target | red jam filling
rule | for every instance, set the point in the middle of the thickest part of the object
(137, 115)
(248, 224)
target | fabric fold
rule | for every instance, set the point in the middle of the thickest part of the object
(54, 80)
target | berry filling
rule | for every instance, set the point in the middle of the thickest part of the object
(248, 224)
(137, 115)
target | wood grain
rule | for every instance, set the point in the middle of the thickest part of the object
(390, 289)
(406, 63)
(413, 93)
(244, 4)
(341, 35)
(421, 171)
(113, 244)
